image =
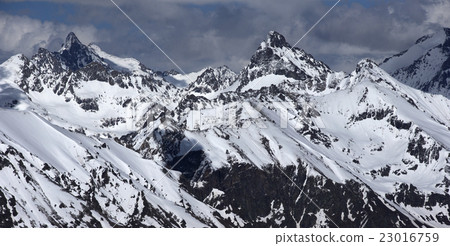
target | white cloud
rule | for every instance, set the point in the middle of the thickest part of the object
(21, 34)
(342, 56)
(391, 10)
(438, 12)
(229, 33)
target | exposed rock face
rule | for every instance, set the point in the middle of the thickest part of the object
(213, 80)
(426, 65)
(88, 139)
(276, 56)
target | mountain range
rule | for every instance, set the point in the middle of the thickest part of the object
(89, 139)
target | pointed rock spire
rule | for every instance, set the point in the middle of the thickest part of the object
(76, 55)
(71, 40)
(274, 39)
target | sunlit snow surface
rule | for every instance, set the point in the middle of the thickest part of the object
(64, 160)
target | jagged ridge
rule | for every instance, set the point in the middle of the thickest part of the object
(104, 130)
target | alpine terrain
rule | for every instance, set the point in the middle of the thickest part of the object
(89, 139)
(426, 65)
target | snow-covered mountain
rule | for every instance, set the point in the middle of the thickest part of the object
(426, 65)
(276, 58)
(89, 139)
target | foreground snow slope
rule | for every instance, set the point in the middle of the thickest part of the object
(54, 177)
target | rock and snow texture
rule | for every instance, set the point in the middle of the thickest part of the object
(426, 65)
(276, 57)
(88, 139)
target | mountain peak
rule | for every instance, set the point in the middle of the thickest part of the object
(71, 39)
(71, 35)
(366, 63)
(277, 57)
(75, 54)
(425, 65)
(436, 38)
(213, 79)
(275, 39)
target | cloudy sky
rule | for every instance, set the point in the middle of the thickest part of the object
(200, 33)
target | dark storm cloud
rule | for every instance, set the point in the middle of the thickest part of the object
(199, 33)
(228, 34)
(374, 27)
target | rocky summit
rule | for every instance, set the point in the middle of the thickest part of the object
(89, 139)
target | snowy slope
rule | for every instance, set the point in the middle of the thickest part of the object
(65, 179)
(89, 139)
(275, 56)
(182, 80)
(425, 65)
(366, 127)
(95, 98)
(128, 64)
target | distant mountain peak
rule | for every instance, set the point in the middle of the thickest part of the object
(366, 63)
(75, 54)
(425, 65)
(436, 38)
(270, 49)
(276, 40)
(71, 39)
(84, 125)
(213, 79)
